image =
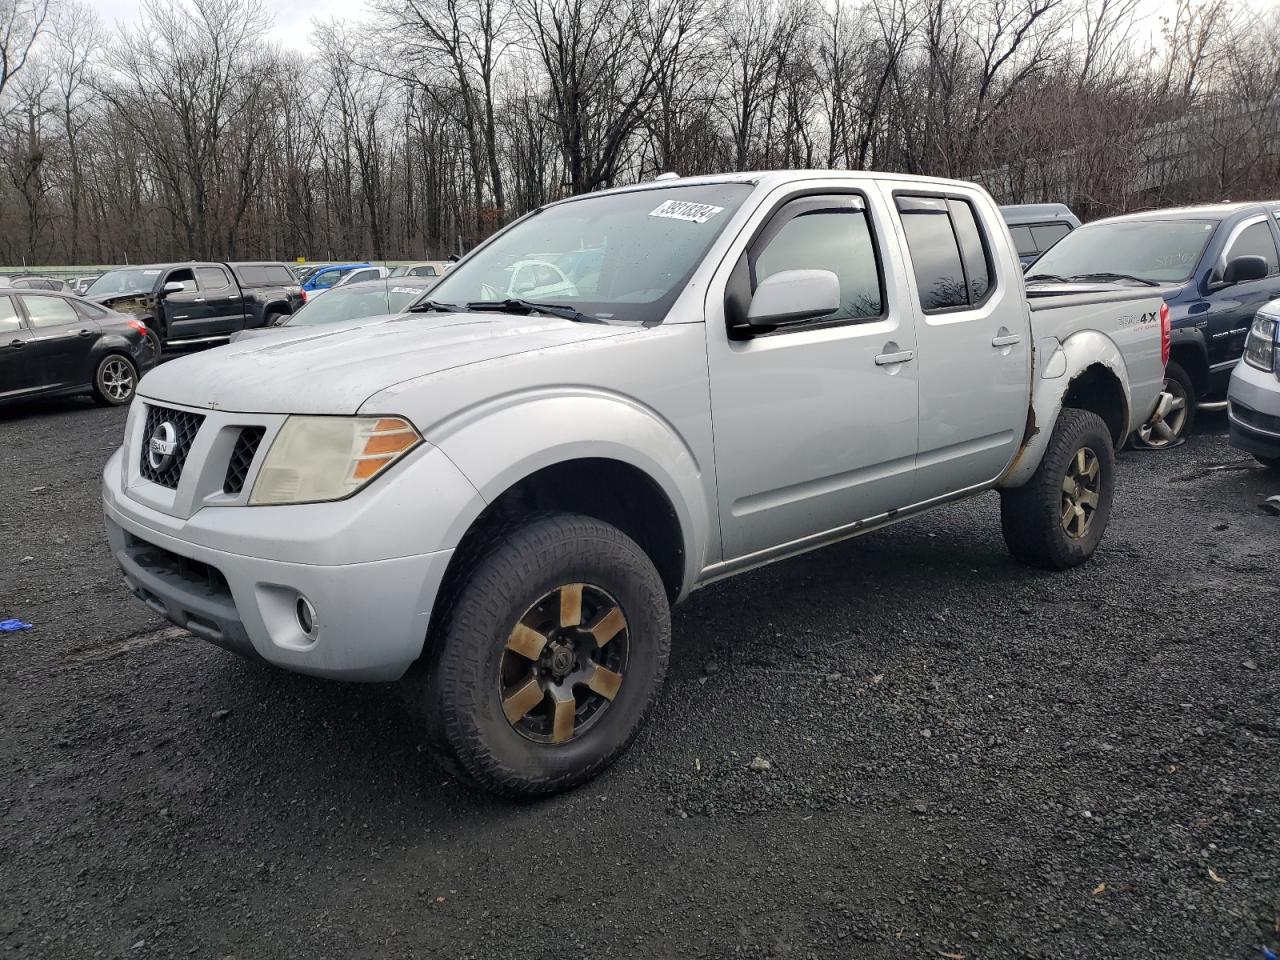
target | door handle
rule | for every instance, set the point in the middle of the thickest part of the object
(901, 356)
(197, 300)
(1007, 340)
(15, 344)
(84, 333)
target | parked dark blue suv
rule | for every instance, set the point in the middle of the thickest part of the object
(1224, 261)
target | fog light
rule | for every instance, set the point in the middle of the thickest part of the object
(306, 616)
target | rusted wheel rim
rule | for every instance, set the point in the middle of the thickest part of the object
(1080, 490)
(564, 663)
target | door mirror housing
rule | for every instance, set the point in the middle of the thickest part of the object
(793, 296)
(1243, 269)
(174, 286)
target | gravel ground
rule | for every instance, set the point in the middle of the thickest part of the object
(966, 757)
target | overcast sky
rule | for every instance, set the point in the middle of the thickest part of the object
(293, 20)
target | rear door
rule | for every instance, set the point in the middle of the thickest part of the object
(815, 423)
(60, 340)
(222, 297)
(17, 360)
(972, 327)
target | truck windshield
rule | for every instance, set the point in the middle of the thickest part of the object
(1161, 250)
(124, 281)
(623, 256)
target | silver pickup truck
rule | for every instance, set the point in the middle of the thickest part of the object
(616, 400)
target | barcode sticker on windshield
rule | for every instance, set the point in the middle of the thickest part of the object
(684, 210)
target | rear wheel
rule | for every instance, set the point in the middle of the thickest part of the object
(550, 652)
(1058, 517)
(1161, 432)
(274, 319)
(115, 380)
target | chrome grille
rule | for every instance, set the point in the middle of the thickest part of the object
(185, 426)
(241, 457)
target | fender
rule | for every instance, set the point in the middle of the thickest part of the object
(501, 441)
(1066, 361)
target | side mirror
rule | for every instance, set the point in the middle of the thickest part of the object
(793, 296)
(1244, 269)
(174, 286)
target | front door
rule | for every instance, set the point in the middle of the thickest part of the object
(972, 331)
(187, 314)
(222, 298)
(1231, 309)
(815, 424)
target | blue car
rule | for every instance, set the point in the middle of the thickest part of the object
(1222, 262)
(327, 276)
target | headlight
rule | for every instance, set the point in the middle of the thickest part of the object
(1260, 345)
(328, 458)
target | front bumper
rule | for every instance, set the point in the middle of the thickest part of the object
(1253, 411)
(233, 575)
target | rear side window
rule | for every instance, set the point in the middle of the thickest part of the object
(1047, 234)
(948, 252)
(824, 233)
(1023, 242)
(212, 278)
(49, 311)
(1256, 240)
(90, 311)
(10, 322)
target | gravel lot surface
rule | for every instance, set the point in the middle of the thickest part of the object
(966, 757)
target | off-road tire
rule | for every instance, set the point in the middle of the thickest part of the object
(1031, 515)
(108, 369)
(454, 689)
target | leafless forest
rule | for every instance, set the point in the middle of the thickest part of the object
(421, 128)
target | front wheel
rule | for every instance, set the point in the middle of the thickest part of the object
(1058, 517)
(550, 652)
(115, 380)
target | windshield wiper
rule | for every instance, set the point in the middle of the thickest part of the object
(516, 305)
(1051, 277)
(435, 306)
(1115, 276)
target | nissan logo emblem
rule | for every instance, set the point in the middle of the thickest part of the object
(162, 446)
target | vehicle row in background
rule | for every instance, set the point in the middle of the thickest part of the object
(1217, 264)
(185, 303)
(54, 344)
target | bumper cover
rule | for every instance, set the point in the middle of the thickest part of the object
(370, 617)
(1254, 411)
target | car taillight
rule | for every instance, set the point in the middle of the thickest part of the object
(304, 295)
(139, 326)
(1166, 334)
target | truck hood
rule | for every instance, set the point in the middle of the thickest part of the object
(333, 371)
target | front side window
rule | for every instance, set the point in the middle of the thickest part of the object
(10, 322)
(646, 242)
(49, 311)
(1255, 240)
(824, 233)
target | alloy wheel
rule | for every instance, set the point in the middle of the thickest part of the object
(564, 663)
(1080, 490)
(117, 379)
